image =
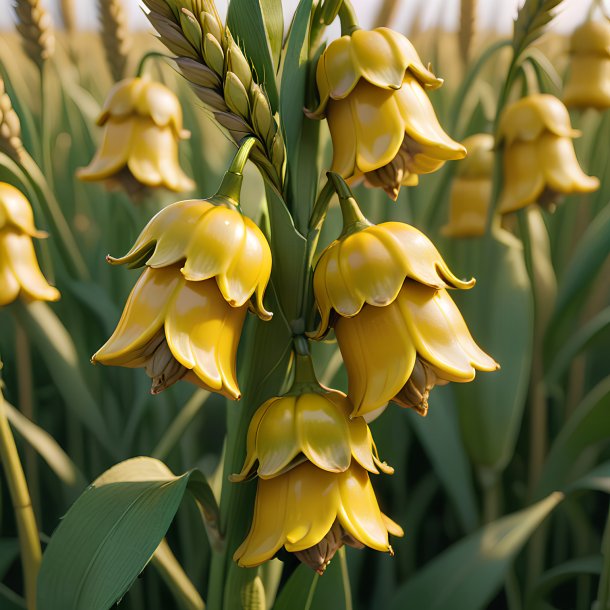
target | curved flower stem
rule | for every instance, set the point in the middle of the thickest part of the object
(146, 57)
(230, 188)
(29, 540)
(347, 16)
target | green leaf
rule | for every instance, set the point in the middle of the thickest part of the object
(597, 479)
(96, 299)
(469, 573)
(247, 25)
(10, 600)
(59, 353)
(274, 25)
(439, 433)
(110, 534)
(298, 592)
(585, 264)
(9, 551)
(499, 312)
(588, 425)
(293, 90)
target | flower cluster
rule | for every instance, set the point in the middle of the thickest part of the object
(20, 274)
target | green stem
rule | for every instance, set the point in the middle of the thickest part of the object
(29, 540)
(146, 57)
(230, 188)
(45, 135)
(603, 592)
(353, 218)
(347, 16)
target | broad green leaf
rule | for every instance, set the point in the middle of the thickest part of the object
(292, 92)
(559, 574)
(585, 264)
(48, 448)
(110, 534)
(588, 425)
(95, 298)
(499, 313)
(57, 350)
(597, 479)
(248, 27)
(274, 24)
(439, 433)
(298, 592)
(469, 573)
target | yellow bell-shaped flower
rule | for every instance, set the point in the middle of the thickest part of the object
(384, 289)
(20, 274)
(205, 264)
(142, 127)
(588, 85)
(312, 513)
(372, 88)
(316, 427)
(471, 189)
(539, 158)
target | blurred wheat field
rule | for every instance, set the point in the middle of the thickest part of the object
(501, 489)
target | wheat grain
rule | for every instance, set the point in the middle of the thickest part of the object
(113, 23)
(36, 29)
(10, 126)
(68, 15)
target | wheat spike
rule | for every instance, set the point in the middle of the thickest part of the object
(386, 13)
(468, 24)
(113, 22)
(68, 15)
(221, 76)
(10, 126)
(36, 29)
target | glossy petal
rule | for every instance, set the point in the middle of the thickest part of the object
(468, 207)
(588, 85)
(203, 333)
(9, 285)
(121, 99)
(169, 231)
(523, 177)
(143, 316)
(359, 511)
(16, 211)
(560, 167)
(337, 74)
(113, 153)
(343, 134)
(421, 124)
(379, 355)
(161, 105)
(440, 334)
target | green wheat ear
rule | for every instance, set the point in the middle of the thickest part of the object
(531, 21)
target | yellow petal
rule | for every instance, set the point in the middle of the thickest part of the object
(359, 511)
(440, 333)
(311, 506)
(523, 177)
(121, 99)
(21, 258)
(142, 317)
(169, 231)
(203, 333)
(322, 432)
(9, 286)
(339, 74)
(469, 203)
(16, 211)
(588, 85)
(214, 243)
(251, 261)
(323, 301)
(276, 440)
(343, 134)
(113, 152)
(560, 166)
(161, 105)
(266, 535)
(379, 355)
(378, 124)
(421, 124)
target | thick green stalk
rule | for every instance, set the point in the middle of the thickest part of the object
(29, 540)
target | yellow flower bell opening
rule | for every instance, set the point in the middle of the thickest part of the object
(471, 189)
(20, 275)
(539, 159)
(372, 88)
(142, 123)
(588, 84)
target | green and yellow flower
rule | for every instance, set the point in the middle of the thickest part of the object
(20, 275)
(372, 88)
(142, 123)
(539, 159)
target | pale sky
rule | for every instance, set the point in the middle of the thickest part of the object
(496, 14)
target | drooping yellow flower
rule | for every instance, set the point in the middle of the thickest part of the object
(372, 88)
(384, 289)
(471, 189)
(20, 274)
(312, 513)
(539, 159)
(289, 430)
(588, 85)
(205, 264)
(142, 127)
